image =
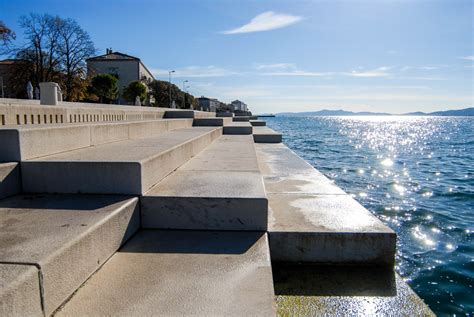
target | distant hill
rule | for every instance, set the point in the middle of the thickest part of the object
(460, 112)
(326, 113)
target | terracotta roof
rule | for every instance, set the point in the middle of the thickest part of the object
(9, 61)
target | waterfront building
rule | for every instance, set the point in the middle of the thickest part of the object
(239, 105)
(208, 104)
(125, 67)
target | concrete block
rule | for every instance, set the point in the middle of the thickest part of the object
(10, 179)
(147, 129)
(25, 143)
(238, 128)
(313, 220)
(240, 119)
(173, 114)
(207, 200)
(258, 123)
(204, 114)
(68, 236)
(177, 273)
(266, 135)
(327, 229)
(308, 183)
(224, 114)
(107, 133)
(311, 290)
(20, 290)
(278, 160)
(220, 155)
(208, 122)
(175, 124)
(125, 167)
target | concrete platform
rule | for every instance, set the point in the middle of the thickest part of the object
(213, 191)
(208, 122)
(241, 119)
(266, 135)
(304, 290)
(125, 167)
(312, 220)
(207, 200)
(221, 156)
(176, 273)
(28, 142)
(329, 229)
(173, 114)
(258, 123)
(236, 128)
(211, 122)
(224, 114)
(68, 237)
(20, 290)
(10, 179)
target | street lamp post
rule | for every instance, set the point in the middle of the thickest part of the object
(169, 91)
(184, 97)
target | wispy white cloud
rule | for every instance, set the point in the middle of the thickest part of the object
(265, 22)
(288, 69)
(298, 73)
(277, 66)
(468, 58)
(406, 68)
(197, 71)
(378, 72)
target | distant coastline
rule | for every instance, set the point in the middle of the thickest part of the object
(326, 113)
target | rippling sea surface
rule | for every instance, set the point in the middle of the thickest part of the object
(417, 175)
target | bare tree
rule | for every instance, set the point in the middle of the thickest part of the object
(56, 49)
(75, 46)
(6, 38)
(41, 48)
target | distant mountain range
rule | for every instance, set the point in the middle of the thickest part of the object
(325, 113)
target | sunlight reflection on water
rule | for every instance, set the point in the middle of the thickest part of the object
(417, 175)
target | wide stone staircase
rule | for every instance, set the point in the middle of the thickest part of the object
(182, 214)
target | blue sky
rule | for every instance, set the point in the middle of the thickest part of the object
(394, 56)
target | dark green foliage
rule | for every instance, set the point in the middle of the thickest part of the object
(136, 88)
(105, 87)
(161, 91)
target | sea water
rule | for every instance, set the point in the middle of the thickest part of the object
(416, 174)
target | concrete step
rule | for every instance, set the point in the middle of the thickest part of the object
(10, 179)
(124, 167)
(64, 238)
(240, 119)
(176, 273)
(258, 123)
(20, 290)
(28, 142)
(173, 114)
(238, 128)
(339, 290)
(224, 114)
(211, 122)
(312, 220)
(213, 191)
(266, 135)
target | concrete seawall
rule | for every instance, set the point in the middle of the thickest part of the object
(119, 210)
